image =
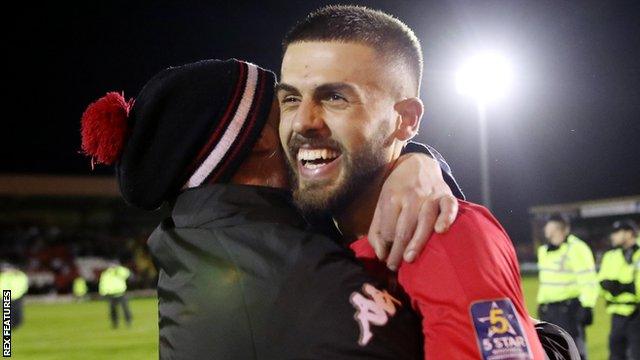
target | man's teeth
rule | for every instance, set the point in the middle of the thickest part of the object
(316, 154)
(313, 166)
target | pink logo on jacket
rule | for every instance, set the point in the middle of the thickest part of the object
(372, 307)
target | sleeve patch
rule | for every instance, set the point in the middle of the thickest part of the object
(499, 333)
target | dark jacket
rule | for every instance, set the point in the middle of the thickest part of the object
(557, 343)
(240, 279)
(447, 174)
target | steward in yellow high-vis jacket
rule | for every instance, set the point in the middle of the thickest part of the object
(11, 278)
(568, 283)
(113, 285)
(620, 281)
(79, 287)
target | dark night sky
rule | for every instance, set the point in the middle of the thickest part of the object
(569, 131)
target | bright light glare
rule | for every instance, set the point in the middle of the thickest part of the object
(485, 77)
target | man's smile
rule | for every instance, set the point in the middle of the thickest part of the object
(318, 163)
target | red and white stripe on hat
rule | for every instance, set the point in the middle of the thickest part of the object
(232, 132)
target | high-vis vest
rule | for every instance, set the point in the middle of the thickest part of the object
(615, 267)
(16, 281)
(113, 281)
(567, 272)
(79, 287)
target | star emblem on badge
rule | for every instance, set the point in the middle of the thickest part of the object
(499, 323)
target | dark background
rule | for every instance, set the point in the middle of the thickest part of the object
(569, 130)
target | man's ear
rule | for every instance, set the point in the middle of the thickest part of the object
(410, 111)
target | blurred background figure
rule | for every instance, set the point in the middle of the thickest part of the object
(568, 283)
(113, 286)
(11, 278)
(80, 288)
(620, 284)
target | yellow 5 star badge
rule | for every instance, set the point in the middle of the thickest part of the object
(498, 330)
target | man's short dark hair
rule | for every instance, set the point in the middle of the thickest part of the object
(346, 23)
(559, 218)
(626, 225)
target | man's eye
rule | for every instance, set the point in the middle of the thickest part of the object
(336, 97)
(289, 99)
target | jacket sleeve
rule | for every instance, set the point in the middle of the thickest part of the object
(414, 147)
(587, 279)
(473, 264)
(637, 277)
(102, 284)
(602, 273)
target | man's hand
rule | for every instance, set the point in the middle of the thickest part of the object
(414, 200)
(612, 286)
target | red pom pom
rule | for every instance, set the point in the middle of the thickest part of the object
(104, 128)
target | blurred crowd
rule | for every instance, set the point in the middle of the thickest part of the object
(53, 258)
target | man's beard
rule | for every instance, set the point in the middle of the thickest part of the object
(360, 170)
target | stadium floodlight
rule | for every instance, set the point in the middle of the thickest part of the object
(486, 76)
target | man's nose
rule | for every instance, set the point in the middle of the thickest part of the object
(309, 120)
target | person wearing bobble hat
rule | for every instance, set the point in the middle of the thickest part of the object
(241, 276)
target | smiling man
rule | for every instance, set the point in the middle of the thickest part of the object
(349, 104)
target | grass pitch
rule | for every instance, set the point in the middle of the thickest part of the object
(83, 331)
(597, 334)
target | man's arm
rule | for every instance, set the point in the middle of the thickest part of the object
(585, 269)
(416, 199)
(636, 279)
(447, 174)
(466, 285)
(607, 277)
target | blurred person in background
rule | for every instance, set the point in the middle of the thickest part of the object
(620, 283)
(568, 284)
(79, 288)
(146, 272)
(113, 286)
(11, 278)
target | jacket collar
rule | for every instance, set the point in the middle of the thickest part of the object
(551, 247)
(628, 253)
(221, 205)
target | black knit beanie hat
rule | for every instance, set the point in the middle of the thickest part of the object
(189, 125)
